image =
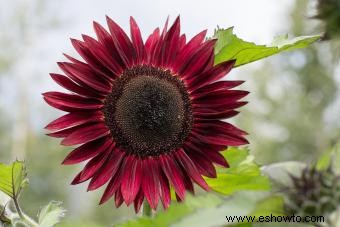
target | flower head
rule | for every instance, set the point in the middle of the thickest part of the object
(147, 115)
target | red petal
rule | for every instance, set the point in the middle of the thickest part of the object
(164, 190)
(72, 86)
(86, 134)
(220, 97)
(181, 42)
(84, 50)
(170, 44)
(132, 178)
(221, 126)
(151, 42)
(208, 152)
(122, 42)
(87, 151)
(198, 61)
(138, 201)
(113, 69)
(106, 39)
(75, 119)
(155, 55)
(91, 167)
(84, 75)
(173, 173)
(114, 184)
(208, 114)
(189, 49)
(190, 168)
(204, 166)
(70, 102)
(108, 170)
(118, 198)
(225, 140)
(65, 132)
(150, 183)
(137, 40)
(212, 75)
(217, 86)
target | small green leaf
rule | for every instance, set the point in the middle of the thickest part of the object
(51, 214)
(330, 158)
(13, 178)
(243, 174)
(324, 161)
(230, 47)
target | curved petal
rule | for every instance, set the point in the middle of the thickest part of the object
(91, 168)
(150, 183)
(173, 173)
(118, 198)
(219, 139)
(139, 201)
(216, 86)
(204, 166)
(107, 62)
(68, 84)
(83, 75)
(190, 168)
(106, 40)
(211, 75)
(137, 41)
(87, 151)
(164, 190)
(208, 151)
(150, 44)
(114, 184)
(122, 43)
(219, 98)
(86, 134)
(86, 51)
(196, 62)
(170, 44)
(75, 119)
(70, 102)
(132, 178)
(189, 49)
(107, 170)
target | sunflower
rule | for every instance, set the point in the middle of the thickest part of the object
(146, 115)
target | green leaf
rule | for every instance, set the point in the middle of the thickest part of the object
(230, 47)
(239, 204)
(272, 205)
(324, 161)
(176, 212)
(243, 174)
(13, 178)
(330, 158)
(51, 214)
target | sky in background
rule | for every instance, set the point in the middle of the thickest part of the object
(36, 48)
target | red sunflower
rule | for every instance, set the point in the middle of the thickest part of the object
(147, 115)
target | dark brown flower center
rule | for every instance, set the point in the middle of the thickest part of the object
(148, 111)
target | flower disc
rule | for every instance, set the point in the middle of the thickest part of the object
(148, 111)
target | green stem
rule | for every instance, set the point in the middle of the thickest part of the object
(147, 212)
(24, 218)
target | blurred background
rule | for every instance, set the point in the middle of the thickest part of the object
(294, 97)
